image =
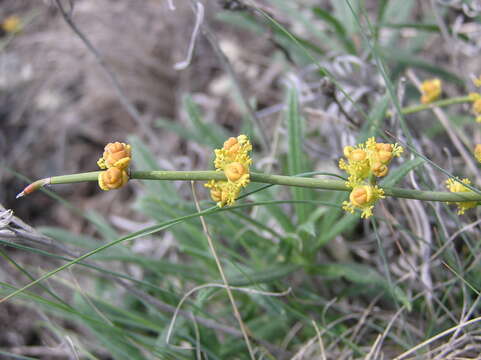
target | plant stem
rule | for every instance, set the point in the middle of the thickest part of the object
(314, 183)
(440, 103)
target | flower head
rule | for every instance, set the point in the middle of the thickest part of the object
(363, 197)
(369, 158)
(223, 192)
(431, 90)
(12, 24)
(116, 159)
(112, 178)
(234, 160)
(457, 186)
(117, 155)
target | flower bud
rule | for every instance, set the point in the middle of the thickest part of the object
(234, 171)
(361, 195)
(347, 151)
(379, 169)
(231, 145)
(357, 155)
(112, 178)
(117, 154)
(216, 194)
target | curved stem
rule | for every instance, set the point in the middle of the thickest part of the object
(314, 183)
(440, 103)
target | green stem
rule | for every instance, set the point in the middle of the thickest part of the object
(440, 103)
(323, 184)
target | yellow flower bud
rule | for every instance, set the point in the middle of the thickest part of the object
(431, 90)
(361, 195)
(216, 194)
(231, 145)
(358, 155)
(379, 169)
(384, 152)
(234, 171)
(347, 151)
(112, 178)
(116, 155)
(477, 152)
(223, 192)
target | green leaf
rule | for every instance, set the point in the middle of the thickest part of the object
(375, 117)
(361, 274)
(407, 59)
(346, 222)
(264, 276)
(295, 156)
(337, 27)
(145, 160)
(212, 133)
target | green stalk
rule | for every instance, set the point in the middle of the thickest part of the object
(314, 183)
(440, 103)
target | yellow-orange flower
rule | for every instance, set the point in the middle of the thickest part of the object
(223, 192)
(457, 186)
(368, 158)
(233, 159)
(112, 178)
(431, 90)
(363, 197)
(117, 155)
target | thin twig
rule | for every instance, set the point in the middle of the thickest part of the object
(222, 274)
(436, 337)
(199, 18)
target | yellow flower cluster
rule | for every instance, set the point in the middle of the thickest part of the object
(234, 160)
(370, 158)
(12, 24)
(431, 90)
(363, 197)
(116, 160)
(456, 186)
(364, 162)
